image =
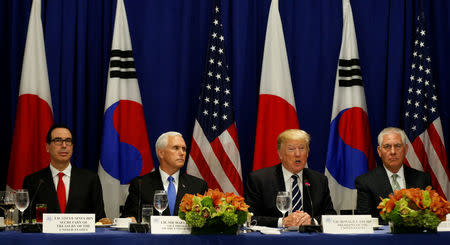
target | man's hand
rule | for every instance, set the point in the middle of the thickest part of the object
(298, 218)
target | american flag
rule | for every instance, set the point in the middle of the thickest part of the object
(214, 152)
(421, 118)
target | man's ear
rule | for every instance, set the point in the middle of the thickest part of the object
(159, 152)
(379, 151)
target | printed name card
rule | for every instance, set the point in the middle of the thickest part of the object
(68, 223)
(169, 225)
(347, 224)
(444, 226)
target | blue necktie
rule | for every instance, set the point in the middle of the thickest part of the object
(171, 194)
(296, 194)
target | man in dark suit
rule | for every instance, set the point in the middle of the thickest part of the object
(171, 152)
(264, 184)
(63, 187)
(392, 175)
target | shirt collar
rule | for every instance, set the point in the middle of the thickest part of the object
(66, 171)
(287, 174)
(400, 173)
(164, 175)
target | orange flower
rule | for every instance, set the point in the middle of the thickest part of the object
(390, 205)
(186, 203)
(439, 205)
(415, 197)
(215, 195)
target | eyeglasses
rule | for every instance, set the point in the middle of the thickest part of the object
(59, 141)
(388, 147)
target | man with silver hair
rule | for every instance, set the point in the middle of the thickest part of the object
(171, 153)
(392, 175)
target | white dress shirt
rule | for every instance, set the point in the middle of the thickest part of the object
(166, 182)
(400, 179)
(66, 178)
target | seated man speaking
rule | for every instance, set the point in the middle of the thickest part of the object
(290, 175)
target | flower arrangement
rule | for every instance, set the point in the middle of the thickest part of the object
(414, 210)
(213, 212)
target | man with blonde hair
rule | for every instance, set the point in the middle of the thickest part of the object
(392, 175)
(290, 175)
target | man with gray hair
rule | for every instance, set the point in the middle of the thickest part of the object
(392, 175)
(171, 153)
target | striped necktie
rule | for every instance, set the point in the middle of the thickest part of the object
(395, 184)
(296, 195)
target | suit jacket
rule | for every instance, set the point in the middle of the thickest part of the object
(85, 192)
(375, 184)
(187, 184)
(261, 192)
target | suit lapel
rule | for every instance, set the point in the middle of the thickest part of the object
(306, 201)
(279, 179)
(386, 187)
(73, 182)
(49, 193)
(409, 180)
(182, 190)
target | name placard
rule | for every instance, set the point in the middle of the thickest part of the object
(169, 225)
(444, 226)
(347, 224)
(68, 223)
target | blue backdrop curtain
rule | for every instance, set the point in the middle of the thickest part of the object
(169, 40)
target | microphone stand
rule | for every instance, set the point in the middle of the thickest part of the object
(29, 227)
(313, 228)
(138, 227)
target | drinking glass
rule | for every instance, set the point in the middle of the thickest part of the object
(147, 212)
(41, 208)
(160, 201)
(6, 204)
(22, 200)
(284, 201)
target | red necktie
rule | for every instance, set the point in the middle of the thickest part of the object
(61, 191)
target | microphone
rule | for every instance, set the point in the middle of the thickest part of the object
(32, 228)
(139, 227)
(307, 185)
(34, 197)
(314, 227)
(139, 218)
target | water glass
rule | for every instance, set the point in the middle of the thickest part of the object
(160, 201)
(284, 201)
(22, 200)
(147, 212)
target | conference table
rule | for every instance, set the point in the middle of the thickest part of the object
(104, 236)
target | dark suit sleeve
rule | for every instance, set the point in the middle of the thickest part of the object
(428, 181)
(131, 204)
(326, 203)
(364, 200)
(254, 194)
(97, 197)
(204, 187)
